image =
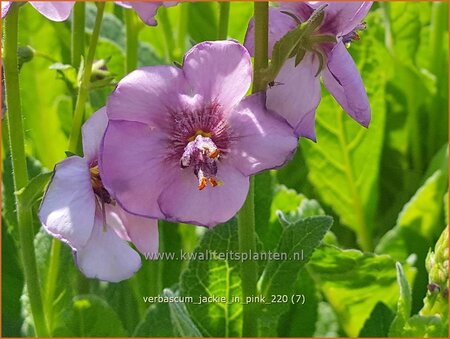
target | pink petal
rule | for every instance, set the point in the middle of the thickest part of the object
(219, 71)
(54, 10)
(142, 232)
(106, 256)
(146, 11)
(343, 81)
(279, 25)
(5, 7)
(92, 132)
(147, 95)
(182, 201)
(296, 93)
(68, 209)
(136, 174)
(263, 140)
(342, 17)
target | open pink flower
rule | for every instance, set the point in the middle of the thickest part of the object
(296, 93)
(53, 10)
(146, 10)
(78, 210)
(182, 142)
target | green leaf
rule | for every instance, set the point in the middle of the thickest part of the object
(203, 21)
(403, 305)
(425, 327)
(300, 320)
(12, 280)
(298, 241)
(156, 323)
(34, 190)
(344, 163)
(215, 278)
(377, 326)
(353, 283)
(90, 316)
(182, 323)
(263, 201)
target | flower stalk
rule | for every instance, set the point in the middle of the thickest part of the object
(132, 40)
(83, 91)
(20, 173)
(78, 23)
(223, 20)
(246, 217)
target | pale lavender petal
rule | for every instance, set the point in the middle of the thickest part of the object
(219, 71)
(68, 209)
(263, 140)
(146, 11)
(296, 93)
(343, 81)
(142, 232)
(54, 10)
(342, 17)
(5, 7)
(182, 201)
(134, 166)
(302, 10)
(106, 256)
(147, 95)
(279, 25)
(92, 132)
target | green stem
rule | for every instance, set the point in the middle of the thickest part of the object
(388, 40)
(20, 173)
(78, 24)
(261, 45)
(223, 20)
(438, 25)
(85, 81)
(246, 217)
(164, 21)
(182, 30)
(50, 286)
(132, 41)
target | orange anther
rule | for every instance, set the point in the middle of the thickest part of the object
(214, 154)
(213, 182)
(202, 183)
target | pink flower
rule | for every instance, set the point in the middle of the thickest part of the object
(146, 10)
(181, 143)
(296, 93)
(78, 210)
(53, 10)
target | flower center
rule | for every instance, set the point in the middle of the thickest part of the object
(97, 185)
(202, 154)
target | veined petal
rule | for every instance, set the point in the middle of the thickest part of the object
(142, 232)
(219, 71)
(106, 256)
(342, 17)
(92, 133)
(5, 7)
(68, 209)
(134, 166)
(296, 93)
(279, 25)
(182, 201)
(342, 79)
(54, 10)
(147, 95)
(263, 140)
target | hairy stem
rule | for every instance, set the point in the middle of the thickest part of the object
(83, 91)
(78, 23)
(223, 20)
(246, 217)
(20, 173)
(132, 41)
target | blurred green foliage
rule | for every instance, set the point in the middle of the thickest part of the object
(384, 188)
